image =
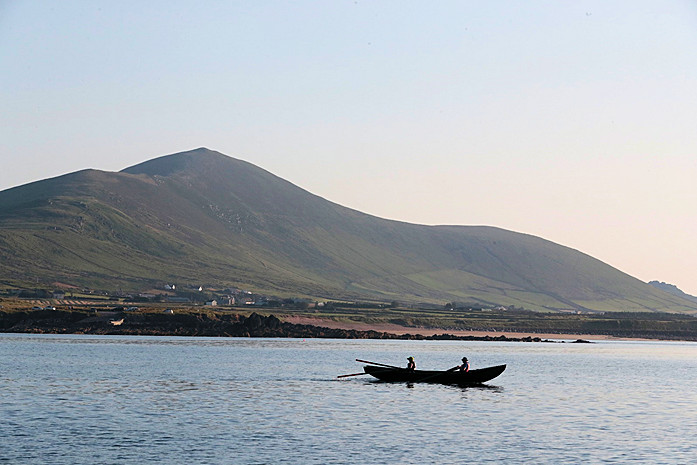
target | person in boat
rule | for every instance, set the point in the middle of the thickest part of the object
(411, 365)
(464, 368)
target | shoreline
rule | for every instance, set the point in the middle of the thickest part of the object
(399, 330)
(223, 323)
(215, 325)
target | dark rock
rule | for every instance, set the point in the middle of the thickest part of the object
(197, 324)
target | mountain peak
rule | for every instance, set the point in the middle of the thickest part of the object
(183, 161)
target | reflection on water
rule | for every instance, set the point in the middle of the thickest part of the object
(410, 385)
(114, 399)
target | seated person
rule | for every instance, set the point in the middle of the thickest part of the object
(464, 368)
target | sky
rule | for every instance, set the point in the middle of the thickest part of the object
(572, 121)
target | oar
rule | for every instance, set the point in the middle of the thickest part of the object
(380, 364)
(355, 374)
(352, 374)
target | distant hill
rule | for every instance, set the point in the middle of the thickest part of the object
(200, 217)
(672, 289)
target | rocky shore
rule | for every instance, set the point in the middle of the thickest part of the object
(192, 324)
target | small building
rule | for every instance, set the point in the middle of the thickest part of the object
(212, 303)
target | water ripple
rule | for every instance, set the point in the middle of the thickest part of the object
(109, 399)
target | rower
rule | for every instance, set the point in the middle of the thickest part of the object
(465, 367)
(411, 365)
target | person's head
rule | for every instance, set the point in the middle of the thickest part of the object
(411, 359)
(464, 359)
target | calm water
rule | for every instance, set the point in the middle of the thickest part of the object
(113, 399)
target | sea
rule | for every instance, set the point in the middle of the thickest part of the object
(79, 399)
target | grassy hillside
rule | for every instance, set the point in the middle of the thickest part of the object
(201, 217)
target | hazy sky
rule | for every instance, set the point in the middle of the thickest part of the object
(573, 121)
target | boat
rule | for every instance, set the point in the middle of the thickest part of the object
(460, 378)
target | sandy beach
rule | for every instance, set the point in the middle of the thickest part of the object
(397, 329)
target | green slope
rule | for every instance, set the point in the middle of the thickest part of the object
(202, 217)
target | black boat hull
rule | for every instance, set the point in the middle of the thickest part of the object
(403, 375)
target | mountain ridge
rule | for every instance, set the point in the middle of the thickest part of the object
(202, 217)
(673, 289)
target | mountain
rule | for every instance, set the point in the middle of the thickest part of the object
(201, 217)
(672, 289)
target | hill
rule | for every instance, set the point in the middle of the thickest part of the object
(200, 217)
